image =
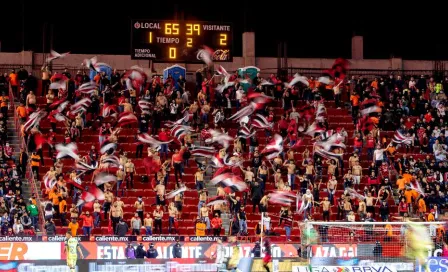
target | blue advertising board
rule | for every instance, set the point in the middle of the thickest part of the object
(433, 264)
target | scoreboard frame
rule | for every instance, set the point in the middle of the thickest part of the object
(180, 40)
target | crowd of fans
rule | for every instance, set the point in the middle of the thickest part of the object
(404, 181)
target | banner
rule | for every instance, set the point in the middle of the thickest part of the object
(196, 250)
(334, 250)
(30, 251)
(115, 250)
(374, 268)
(433, 265)
(140, 265)
(113, 238)
(400, 264)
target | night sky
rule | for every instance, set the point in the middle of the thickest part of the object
(311, 29)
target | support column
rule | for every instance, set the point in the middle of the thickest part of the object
(249, 48)
(357, 47)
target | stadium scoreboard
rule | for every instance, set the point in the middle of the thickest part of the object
(180, 41)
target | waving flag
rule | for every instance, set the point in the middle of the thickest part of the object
(94, 64)
(127, 118)
(219, 137)
(203, 151)
(244, 132)
(88, 88)
(259, 121)
(296, 79)
(70, 150)
(145, 138)
(176, 192)
(206, 55)
(274, 148)
(282, 198)
(55, 55)
(401, 139)
(104, 177)
(108, 147)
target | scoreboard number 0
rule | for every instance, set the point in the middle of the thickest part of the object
(173, 53)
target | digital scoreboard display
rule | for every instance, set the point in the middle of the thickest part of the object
(180, 41)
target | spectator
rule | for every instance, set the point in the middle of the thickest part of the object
(216, 225)
(151, 253)
(34, 215)
(121, 228)
(136, 224)
(130, 252)
(140, 252)
(18, 228)
(177, 250)
(87, 223)
(73, 226)
(148, 223)
(50, 228)
(158, 215)
(200, 227)
(26, 221)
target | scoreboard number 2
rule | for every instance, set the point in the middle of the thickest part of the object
(223, 39)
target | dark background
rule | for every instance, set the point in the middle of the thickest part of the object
(310, 29)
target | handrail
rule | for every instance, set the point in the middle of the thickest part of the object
(29, 173)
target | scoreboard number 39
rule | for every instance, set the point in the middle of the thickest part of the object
(179, 41)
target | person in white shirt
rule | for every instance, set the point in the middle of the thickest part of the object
(266, 222)
(17, 228)
(378, 155)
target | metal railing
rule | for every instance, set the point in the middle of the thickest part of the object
(367, 73)
(29, 173)
(36, 71)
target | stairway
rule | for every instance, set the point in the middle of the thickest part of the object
(16, 142)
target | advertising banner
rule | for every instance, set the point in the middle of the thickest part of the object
(400, 264)
(370, 268)
(196, 250)
(30, 251)
(116, 250)
(142, 265)
(434, 264)
(334, 250)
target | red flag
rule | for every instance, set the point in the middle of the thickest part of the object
(109, 227)
(39, 140)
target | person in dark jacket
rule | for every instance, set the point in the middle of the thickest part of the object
(130, 252)
(177, 250)
(122, 228)
(256, 251)
(50, 228)
(140, 253)
(151, 253)
(257, 195)
(378, 250)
